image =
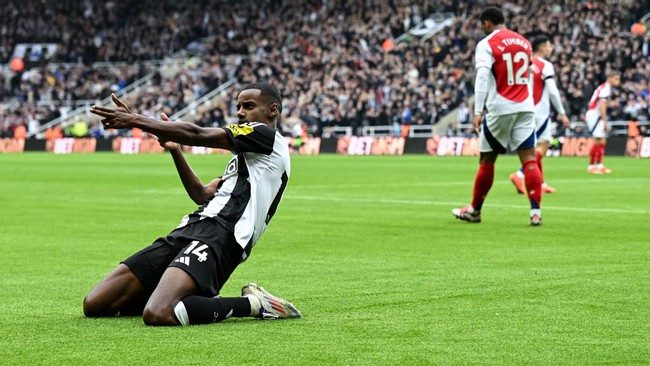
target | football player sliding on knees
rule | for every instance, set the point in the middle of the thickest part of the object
(177, 279)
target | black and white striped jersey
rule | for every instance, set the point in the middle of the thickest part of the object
(252, 185)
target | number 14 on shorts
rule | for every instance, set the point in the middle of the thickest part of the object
(199, 252)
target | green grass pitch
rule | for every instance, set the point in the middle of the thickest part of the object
(365, 247)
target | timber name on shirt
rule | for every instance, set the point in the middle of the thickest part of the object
(252, 184)
(514, 41)
(507, 55)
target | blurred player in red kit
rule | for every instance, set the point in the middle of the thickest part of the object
(545, 93)
(597, 122)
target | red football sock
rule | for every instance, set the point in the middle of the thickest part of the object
(539, 156)
(592, 154)
(601, 154)
(533, 180)
(482, 185)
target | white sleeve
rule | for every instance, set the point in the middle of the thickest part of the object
(483, 61)
(554, 95)
(483, 56)
(481, 89)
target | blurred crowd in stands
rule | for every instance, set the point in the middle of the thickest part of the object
(96, 30)
(339, 63)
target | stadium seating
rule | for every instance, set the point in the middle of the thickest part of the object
(344, 64)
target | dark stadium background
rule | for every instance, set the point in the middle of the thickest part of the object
(345, 68)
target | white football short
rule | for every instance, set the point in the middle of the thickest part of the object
(595, 124)
(543, 129)
(516, 130)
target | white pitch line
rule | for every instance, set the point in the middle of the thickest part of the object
(414, 184)
(463, 183)
(440, 203)
(417, 184)
(177, 191)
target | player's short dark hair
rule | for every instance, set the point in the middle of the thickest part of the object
(538, 41)
(492, 14)
(267, 91)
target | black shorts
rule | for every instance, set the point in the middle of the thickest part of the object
(204, 249)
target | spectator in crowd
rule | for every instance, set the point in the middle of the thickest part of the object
(334, 63)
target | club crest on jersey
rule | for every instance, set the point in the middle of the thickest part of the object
(238, 130)
(231, 168)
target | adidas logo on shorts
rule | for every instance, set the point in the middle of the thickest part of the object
(184, 260)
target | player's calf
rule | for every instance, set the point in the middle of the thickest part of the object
(159, 315)
(120, 293)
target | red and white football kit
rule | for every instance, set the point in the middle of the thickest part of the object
(502, 61)
(545, 92)
(594, 122)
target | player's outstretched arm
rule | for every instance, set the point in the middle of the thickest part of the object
(182, 132)
(198, 192)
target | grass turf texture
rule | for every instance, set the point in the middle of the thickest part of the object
(365, 247)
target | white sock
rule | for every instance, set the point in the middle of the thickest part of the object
(255, 305)
(520, 174)
(544, 185)
(181, 313)
(600, 166)
(536, 211)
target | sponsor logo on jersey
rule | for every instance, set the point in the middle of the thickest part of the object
(238, 130)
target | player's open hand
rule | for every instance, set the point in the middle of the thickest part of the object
(118, 118)
(168, 145)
